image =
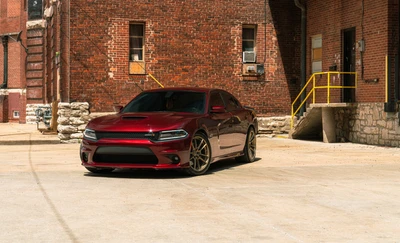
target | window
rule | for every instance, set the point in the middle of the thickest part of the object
(15, 114)
(216, 100)
(136, 42)
(232, 104)
(249, 43)
(248, 38)
(179, 101)
(316, 53)
(35, 9)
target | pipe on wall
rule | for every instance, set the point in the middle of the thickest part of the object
(4, 40)
(303, 52)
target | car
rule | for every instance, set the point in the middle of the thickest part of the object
(171, 128)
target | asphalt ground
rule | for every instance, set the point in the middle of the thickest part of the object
(296, 191)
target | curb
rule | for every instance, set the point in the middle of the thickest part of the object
(31, 142)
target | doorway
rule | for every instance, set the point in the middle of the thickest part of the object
(349, 63)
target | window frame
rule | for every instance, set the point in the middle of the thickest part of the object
(37, 12)
(133, 48)
(254, 40)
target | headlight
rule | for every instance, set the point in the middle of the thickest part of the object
(90, 134)
(173, 134)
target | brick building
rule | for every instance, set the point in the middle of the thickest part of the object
(12, 62)
(115, 46)
(106, 52)
(360, 36)
(30, 67)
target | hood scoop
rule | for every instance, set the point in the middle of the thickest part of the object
(133, 118)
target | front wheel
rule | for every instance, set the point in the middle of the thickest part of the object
(200, 155)
(249, 151)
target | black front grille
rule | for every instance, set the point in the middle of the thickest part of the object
(124, 155)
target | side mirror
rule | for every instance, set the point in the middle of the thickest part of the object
(118, 108)
(217, 109)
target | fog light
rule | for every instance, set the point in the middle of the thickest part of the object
(174, 158)
(85, 157)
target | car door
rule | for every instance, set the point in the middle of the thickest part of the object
(238, 123)
(220, 127)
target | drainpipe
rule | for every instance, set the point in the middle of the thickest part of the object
(397, 80)
(5, 46)
(303, 52)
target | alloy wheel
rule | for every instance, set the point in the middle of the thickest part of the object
(251, 145)
(199, 154)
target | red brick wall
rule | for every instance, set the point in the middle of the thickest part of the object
(35, 67)
(188, 43)
(13, 8)
(3, 108)
(13, 20)
(330, 17)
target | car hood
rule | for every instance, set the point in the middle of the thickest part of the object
(141, 122)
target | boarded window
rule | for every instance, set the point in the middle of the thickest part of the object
(316, 54)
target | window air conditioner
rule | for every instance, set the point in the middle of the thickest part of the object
(249, 56)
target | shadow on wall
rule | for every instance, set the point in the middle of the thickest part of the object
(287, 20)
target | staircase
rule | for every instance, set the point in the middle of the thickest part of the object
(319, 120)
(309, 126)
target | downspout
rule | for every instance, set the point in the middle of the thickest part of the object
(69, 52)
(303, 52)
(397, 80)
(5, 74)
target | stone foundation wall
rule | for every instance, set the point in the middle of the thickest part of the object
(368, 123)
(72, 120)
(274, 125)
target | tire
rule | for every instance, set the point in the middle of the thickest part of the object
(100, 170)
(249, 151)
(200, 155)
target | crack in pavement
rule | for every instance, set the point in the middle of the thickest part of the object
(53, 208)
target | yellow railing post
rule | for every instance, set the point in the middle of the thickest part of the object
(329, 88)
(386, 79)
(313, 99)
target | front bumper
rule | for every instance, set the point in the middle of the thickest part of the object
(135, 153)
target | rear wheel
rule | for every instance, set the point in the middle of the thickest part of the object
(200, 155)
(249, 151)
(100, 170)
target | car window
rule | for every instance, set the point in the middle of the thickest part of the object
(178, 101)
(232, 104)
(216, 99)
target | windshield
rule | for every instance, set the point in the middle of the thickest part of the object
(177, 101)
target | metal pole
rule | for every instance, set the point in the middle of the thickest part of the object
(5, 46)
(303, 51)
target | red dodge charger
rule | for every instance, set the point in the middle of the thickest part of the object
(172, 128)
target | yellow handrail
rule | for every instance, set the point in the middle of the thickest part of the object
(151, 76)
(314, 87)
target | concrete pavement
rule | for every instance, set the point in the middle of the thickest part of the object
(297, 191)
(24, 134)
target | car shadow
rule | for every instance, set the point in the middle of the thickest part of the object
(221, 165)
